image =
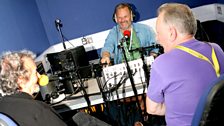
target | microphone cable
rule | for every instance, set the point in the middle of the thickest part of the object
(113, 88)
(68, 41)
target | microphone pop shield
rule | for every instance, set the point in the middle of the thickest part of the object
(127, 34)
(43, 80)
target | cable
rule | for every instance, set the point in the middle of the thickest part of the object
(114, 87)
(110, 79)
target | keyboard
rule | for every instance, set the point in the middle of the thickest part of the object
(117, 74)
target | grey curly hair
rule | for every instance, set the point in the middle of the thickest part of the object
(12, 67)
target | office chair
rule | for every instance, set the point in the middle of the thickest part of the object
(210, 109)
(201, 34)
(6, 121)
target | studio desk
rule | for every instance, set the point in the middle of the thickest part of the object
(114, 85)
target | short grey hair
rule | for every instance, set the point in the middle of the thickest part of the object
(179, 15)
(11, 68)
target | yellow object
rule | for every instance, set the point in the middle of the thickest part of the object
(215, 61)
(102, 107)
(43, 80)
(93, 108)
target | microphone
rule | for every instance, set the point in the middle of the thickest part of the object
(156, 46)
(58, 24)
(47, 90)
(148, 48)
(43, 80)
(127, 35)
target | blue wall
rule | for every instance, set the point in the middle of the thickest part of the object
(84, 17)
(30, 23)
(21, 26)
(220, 1)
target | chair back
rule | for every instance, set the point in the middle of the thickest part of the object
(6, 120)
(210, 109)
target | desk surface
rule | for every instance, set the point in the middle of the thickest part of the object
(78, 101)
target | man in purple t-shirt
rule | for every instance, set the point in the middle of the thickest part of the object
(184, 71)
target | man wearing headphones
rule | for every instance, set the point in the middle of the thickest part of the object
(141, 35)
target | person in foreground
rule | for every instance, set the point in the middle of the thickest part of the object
(182, 73)
(18, 83)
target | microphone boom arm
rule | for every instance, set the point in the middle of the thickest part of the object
(58, 25)
(130, 76)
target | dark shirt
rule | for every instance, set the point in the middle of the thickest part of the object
(29, 112)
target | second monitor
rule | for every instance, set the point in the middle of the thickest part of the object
(69, 60)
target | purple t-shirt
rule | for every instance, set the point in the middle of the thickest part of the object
(178, 79)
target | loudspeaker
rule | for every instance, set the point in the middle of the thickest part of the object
(123, 5)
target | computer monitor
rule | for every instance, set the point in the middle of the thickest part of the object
(70, 60)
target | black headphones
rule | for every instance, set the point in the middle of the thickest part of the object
(122, 5)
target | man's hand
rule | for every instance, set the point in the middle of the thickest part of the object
(153, 54)
(105, 60)
(105, 57)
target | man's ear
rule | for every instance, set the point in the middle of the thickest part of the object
(173, 33)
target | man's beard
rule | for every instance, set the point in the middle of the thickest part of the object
(125, 28)
(36, 89)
